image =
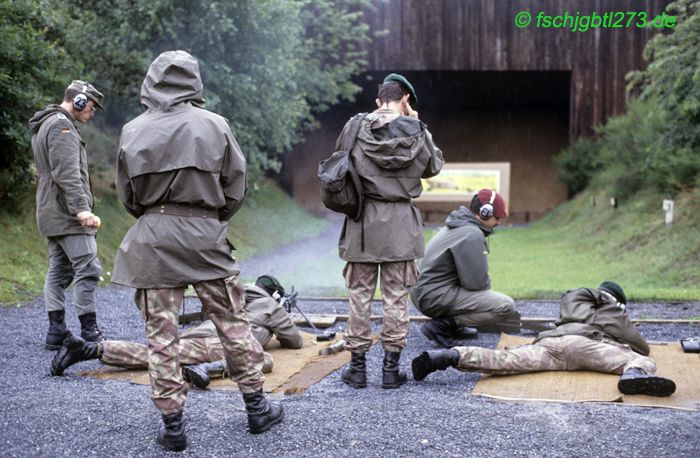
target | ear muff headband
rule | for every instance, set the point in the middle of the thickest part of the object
(486, 210)
(80, 100)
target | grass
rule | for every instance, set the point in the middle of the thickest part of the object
(268, 219)
(581, 245)
(576, 245)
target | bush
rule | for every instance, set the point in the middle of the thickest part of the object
(577, 164)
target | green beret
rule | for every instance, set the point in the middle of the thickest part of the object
(396, 78)
(89, 90)
(270, 284)
(614, 289)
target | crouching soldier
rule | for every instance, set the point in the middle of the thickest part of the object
(593, 333)
(454, 287)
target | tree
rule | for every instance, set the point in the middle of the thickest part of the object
(267, 65)
(672, 81)
(32, 71)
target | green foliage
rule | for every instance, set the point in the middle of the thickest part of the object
(267, 65)
(268, 220)
(577, 164)
(672, 83)
(630, 150)
(656, 144)
(31, 67)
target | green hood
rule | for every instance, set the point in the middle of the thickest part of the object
(172, 78)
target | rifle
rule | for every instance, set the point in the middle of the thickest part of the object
(289, 302)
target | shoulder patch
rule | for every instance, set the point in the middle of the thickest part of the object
(61, 116)
(65, 130)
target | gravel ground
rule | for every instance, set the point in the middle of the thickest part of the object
(82, 416)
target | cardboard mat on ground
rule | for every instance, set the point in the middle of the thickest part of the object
(293, 372)
(585, 386)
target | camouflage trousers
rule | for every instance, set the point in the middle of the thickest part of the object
(566, 353)
(191, 350)
(223, 301)
(361, 281)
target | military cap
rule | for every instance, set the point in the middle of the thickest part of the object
(270, 284)
(614, 289)
(89, 90)
(396, 78)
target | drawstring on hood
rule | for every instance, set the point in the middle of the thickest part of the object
(462, 216)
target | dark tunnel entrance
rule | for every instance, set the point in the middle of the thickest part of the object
(474, 116)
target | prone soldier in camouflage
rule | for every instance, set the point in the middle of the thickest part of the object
(181, 172)
(394, 150)
(593, 333)
(64, 204)
(200, 350)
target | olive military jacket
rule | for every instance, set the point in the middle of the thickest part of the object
(63, 182)
(266, 317)
(177, 153)
(455, 259)
(391, 155)
(592, 313)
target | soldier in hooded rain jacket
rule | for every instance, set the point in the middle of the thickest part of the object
(393, 151)
(182, 174)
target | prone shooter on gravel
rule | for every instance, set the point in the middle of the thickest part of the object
(593, 333)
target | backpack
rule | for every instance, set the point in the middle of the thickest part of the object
(341, 188)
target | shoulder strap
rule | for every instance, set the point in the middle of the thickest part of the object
(353, 131)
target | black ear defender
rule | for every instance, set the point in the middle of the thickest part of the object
(80, 100)
(486, 210)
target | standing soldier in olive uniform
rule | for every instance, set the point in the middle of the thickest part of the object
(64, 205)
(182, 174)
(394, 150)
(593, 333)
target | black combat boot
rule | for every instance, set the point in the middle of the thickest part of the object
(74, 350)
(172, 434)
(89, 330)
(634, 381)
(355, 374)
(392, 377)
(465, 333)
(434, 360)
(440, 331)
(262, 414)
(57, 330)
(200, 375)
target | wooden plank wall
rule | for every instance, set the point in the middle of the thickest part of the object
(481, 35)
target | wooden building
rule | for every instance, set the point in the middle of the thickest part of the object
(491, 91)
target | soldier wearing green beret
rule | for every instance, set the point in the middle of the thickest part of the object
(393, 151)
(64, 205)
(593, 333)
